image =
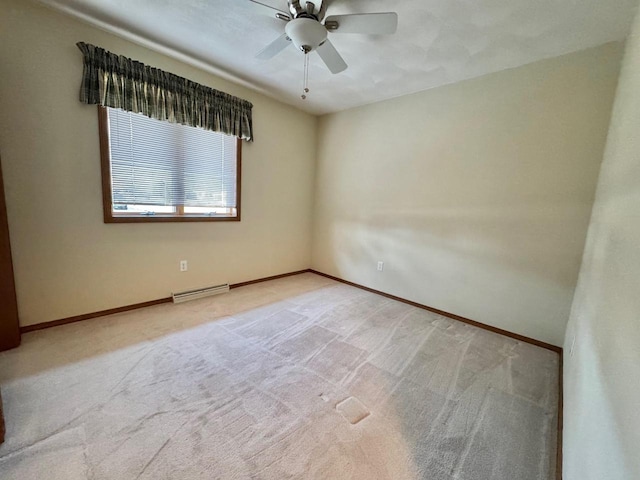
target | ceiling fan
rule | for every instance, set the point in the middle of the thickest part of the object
(306, 30)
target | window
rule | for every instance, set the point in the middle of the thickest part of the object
(155, 171)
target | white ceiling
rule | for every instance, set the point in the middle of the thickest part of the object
(438, 41)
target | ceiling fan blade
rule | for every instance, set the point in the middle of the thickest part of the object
(264, 8)
(274, 47)
(366, 23)
(330, 56)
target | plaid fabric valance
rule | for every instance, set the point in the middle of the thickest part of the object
(116, 81)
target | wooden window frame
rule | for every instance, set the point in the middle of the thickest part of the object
(180, 216)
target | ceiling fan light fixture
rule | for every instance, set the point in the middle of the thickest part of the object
(306, 34)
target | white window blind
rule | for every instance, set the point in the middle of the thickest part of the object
(162, 163)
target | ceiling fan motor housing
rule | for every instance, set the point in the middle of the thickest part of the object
(306, 34)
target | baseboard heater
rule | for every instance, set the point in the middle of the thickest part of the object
(185, 296)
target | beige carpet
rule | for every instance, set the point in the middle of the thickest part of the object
(300, 377)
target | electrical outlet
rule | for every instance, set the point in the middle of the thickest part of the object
(184, 266)
(380, 266)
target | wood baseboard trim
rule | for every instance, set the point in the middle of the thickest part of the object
(266, 279)
(3, 429)
(453, 316)
(135, 306)
(87, 316)
(560, 419)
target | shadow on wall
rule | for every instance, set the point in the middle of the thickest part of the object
(536, 240)
(537, 244)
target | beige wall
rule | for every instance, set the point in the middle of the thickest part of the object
(67, 261)
(476, 196)
(602, 347)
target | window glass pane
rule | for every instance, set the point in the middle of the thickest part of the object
(120, 208)
(209, 211)
(166, 164)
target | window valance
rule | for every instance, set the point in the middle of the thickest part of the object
(119, 82)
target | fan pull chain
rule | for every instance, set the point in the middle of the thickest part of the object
(305, 83)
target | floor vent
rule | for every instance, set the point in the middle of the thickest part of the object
(199, 293)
